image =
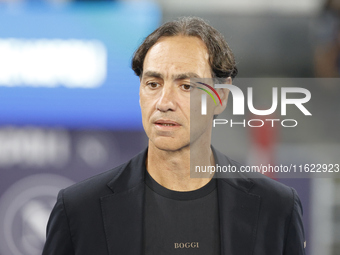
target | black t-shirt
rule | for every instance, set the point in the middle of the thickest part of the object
(181, 222)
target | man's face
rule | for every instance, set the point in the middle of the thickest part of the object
(165, 92)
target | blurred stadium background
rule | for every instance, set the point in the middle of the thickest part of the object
(69, 101)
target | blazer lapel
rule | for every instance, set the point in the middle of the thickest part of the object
(123, 220)
(238, 219)
(239, 211)
(123, 210)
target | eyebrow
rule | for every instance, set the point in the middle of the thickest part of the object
(181, 76)
(185, 76)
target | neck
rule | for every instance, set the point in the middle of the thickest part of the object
(171, 169)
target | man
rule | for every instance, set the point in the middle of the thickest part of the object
(150, 205)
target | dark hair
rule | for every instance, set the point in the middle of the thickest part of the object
(221, 58)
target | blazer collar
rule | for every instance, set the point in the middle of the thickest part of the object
(130, 174)
(236, 179)
(123, 210)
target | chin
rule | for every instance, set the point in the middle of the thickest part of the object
(164, 145)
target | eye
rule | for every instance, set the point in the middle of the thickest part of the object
(153, 85)
(187, 87)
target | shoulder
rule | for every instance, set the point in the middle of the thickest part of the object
(266, 186)
(102, 184)
(86, 193)
(275, 196)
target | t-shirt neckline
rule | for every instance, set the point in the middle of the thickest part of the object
(179, 195)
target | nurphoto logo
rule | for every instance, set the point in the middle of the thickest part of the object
(239, 105)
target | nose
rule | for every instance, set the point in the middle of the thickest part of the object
(166, 101)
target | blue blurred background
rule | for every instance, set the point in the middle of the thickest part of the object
(69, 103)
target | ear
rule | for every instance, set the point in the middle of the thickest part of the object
(223, 93)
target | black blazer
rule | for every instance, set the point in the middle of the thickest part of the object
(104, 215)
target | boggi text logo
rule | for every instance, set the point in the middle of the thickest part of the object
(186, 245)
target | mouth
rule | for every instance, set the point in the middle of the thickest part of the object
(166, 124)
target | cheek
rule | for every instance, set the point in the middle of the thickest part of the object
(147, 107)
(142, 105)
(145, 112)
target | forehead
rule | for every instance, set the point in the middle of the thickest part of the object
(178, 54)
